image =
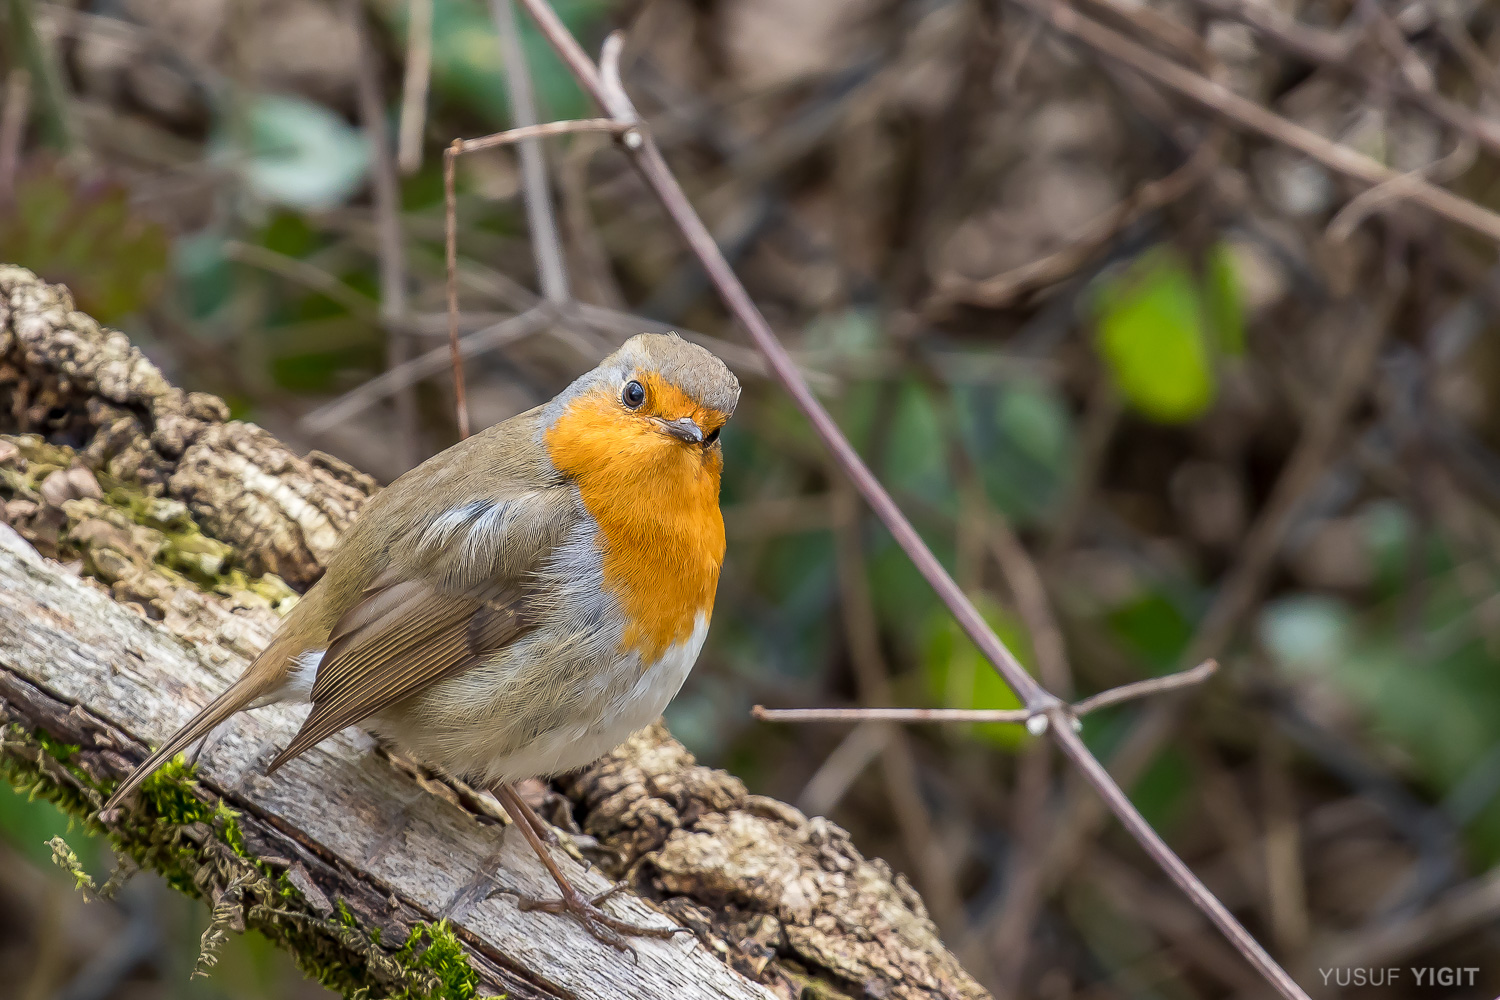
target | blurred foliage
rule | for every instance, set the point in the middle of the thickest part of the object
(1426, 687)
(296, 153)
(84, 234)
(957, 675)
(1161, 327)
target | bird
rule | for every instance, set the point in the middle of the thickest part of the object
(520, 603)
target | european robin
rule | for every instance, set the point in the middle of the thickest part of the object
(519, 604)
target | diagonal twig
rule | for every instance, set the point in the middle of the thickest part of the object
(1001, 290)
(304, 273)
(450, 254)
(658, 176)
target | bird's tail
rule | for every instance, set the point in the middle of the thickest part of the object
(237, 696)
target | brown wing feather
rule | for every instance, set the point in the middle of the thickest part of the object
(400, 638)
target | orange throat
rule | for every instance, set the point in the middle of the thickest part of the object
(656, 501)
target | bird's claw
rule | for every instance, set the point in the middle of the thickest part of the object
(589, 912)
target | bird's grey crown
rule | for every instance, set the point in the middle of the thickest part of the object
(694, 370)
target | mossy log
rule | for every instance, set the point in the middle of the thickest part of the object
(152, 543)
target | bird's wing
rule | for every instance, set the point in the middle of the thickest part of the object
(457, 588)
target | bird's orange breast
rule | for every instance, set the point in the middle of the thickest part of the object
(656, 501)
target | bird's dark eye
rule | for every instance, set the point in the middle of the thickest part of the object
(713, 436)
(634, 394)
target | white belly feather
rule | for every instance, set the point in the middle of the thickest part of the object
(468, 724)
(636, 707)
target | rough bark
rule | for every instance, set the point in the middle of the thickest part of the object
(154, 538)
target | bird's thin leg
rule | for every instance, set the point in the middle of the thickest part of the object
(611, 930)
(542, 827)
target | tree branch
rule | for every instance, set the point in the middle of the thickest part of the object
(339, 846)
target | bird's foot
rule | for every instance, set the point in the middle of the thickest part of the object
(589, 912)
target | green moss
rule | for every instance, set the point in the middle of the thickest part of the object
(64, 858)
(444, 957)
(169, 791)
(199, 847)
(62, 752)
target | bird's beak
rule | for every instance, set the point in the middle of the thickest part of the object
(684, 428)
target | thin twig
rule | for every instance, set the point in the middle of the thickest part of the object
(1471, 905)
(1142, 689)
(1374, 199)
(1030, 594)
(1485, 73)
(1101, 416)
(387, 198)
(414, 85)
(1031, 826)
(552, 274)
(1286, 882)
(1114, 696)
(589, 253)
(1248, 115)
(543, 130)
(653, 168)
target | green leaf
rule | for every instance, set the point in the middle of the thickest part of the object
(1152, 333)
(299, 153)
